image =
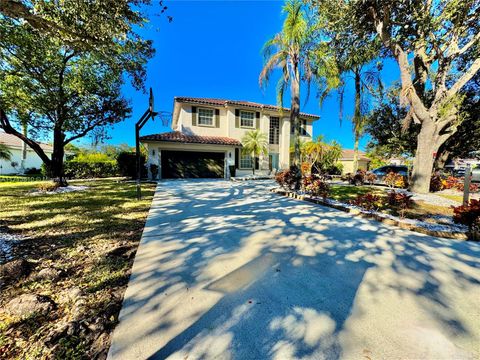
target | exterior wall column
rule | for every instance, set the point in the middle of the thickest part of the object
(284, 143)
(226, 169)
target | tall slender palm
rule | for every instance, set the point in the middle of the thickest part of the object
(5, 153)
(355, 61)
(255, 143)
(301, 56)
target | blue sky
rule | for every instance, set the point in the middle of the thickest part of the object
(213, 49)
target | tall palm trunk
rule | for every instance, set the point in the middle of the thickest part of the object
(357, 118)
(253, 163)
(294, 114)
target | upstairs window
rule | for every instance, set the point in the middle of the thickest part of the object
(247, 119)
(205, 117)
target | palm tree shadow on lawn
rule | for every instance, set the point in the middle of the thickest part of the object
(303, 277)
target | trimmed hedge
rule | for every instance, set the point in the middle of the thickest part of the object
(83, 169)
(127, 164)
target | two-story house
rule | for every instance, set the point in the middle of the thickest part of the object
(206, 139)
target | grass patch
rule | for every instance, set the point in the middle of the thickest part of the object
(420, 210)
(345, 193)
(458, 198)
(73, 233)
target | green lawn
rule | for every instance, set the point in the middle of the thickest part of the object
(346, 193)
(73, 233)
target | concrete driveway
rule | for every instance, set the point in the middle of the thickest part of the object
(231, 271)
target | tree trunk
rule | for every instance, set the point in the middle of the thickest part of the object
(294, 119)
(441, 159)
(355, 154)
(427, 146)
(24, 146)
(56, 165)
(357, 118)
(253, 163)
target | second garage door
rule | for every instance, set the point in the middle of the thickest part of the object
(188, 164)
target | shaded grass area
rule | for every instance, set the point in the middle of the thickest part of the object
(90, 237)
(420, 210)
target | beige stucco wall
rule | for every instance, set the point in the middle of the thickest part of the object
(227, 128)
(348, 165)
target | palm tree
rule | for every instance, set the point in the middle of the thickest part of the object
(365, 80)
(255, 143)
(298, 51)
(5, 153)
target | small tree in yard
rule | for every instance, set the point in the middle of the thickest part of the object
(255, 143)
(68, 91)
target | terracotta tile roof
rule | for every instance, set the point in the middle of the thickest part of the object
(14, 142)
(177, 136)
(222, 102)
(347, 154)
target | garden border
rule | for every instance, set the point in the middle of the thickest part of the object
(444, 234)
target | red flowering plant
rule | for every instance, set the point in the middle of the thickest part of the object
(316, 186)
(286, 179)
(368, 202)
(467, 214)
(400, 200)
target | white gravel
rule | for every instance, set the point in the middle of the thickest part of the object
(446, 225)
(60, 190)
(7, 242)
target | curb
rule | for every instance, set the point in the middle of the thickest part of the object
(402, 225)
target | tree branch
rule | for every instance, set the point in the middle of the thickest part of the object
(7, 127)
(465, 78)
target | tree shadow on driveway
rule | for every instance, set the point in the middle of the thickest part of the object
(233, 271)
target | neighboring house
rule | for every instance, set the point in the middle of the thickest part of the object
(23, 157)
(206, 141)
(347, 161)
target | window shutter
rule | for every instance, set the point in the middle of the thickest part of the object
(217, 118)
(237, 118)
(194, 116)
(257, 116)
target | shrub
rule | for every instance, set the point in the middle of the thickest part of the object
(370, 178)
(48, 186)
(286, 179)
(394, 179)
(467, 214)
(305, 168)
(472, 187)
(359, 178)
(127, 164)
(368, 201)
(316, 186)
(32, 171)
(92, 157)
(82, 170)
(401, 200)
(436, 183)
